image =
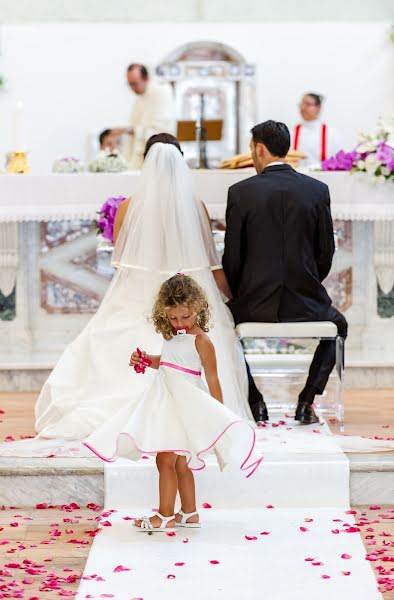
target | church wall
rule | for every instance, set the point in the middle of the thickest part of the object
(71, 76)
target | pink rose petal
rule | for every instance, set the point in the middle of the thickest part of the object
(269, 506)
(120, 569)
(346, 556)
(179, 564)
(304, 529)
(326, 576)
(185, 541)
(346, 573)
(309, 559)
(214, 562)
(170, 533)
(334, 530)
(206, 505)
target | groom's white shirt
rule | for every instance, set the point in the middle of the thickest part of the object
(275, 162)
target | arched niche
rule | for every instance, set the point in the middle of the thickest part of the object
(226, 80)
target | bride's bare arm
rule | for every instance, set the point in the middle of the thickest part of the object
(218, 274)
(119, 217)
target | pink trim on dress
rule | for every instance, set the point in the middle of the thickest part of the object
(179, 368)
(243, 467)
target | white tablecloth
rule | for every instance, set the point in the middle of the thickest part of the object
(48, 197)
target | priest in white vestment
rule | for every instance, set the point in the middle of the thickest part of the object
(153, 112)
(312, 136)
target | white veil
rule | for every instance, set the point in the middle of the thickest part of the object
(165, 230)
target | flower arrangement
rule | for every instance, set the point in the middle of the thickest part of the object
(108, 162)
(68, 164)
(374, 155)
(107, 213)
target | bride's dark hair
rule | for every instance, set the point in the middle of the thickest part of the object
(164, 138)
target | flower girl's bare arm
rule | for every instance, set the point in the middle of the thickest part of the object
(207, 353)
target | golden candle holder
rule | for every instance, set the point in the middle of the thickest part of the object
(17, 163)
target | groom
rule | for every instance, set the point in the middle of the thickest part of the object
(279, 246)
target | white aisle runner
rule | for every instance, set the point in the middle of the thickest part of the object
(282, 534)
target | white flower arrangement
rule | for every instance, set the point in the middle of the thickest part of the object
(68, 164)
(108, 162)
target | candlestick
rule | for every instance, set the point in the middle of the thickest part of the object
(19, 129)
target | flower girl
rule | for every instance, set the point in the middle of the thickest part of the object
(177, 419)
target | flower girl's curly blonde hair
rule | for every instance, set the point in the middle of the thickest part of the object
(179, 289)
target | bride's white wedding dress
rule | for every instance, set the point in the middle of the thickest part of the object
(165, 231)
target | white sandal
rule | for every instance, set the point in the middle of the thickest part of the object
(183, 522)
(147, 526)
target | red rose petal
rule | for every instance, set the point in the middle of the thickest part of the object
(265, 533)
(250, 538)
(206, 505)
(346, 556)
(170, 533)
(179, 564)
(334, 530)
(120, 569)
(214, 562)
(346, 573)
(326, 576)
(304, 529)
(171, 576)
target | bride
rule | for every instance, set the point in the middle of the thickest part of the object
(162, 230)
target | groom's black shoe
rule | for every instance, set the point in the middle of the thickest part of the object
(259, 412)
(305, 413)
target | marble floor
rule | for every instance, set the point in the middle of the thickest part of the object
(56, 541)
(368, 412)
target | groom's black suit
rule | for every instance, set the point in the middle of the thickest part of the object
(279, 247)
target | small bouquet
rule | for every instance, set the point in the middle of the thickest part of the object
(144, 362)
(374, 155)
(107, 213)
(68, 164)
(108, 162)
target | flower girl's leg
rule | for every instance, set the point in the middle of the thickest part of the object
(187, 489)
(168, 482)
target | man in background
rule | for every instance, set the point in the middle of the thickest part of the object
(153, 112)
(109, 140)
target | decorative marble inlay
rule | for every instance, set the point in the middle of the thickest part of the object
(74, 271)
(339, 288)
(343, 230)
(385, 304)
(54, 233)
(8, 306)
(61, 296)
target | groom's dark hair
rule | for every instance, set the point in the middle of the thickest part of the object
(274, 135)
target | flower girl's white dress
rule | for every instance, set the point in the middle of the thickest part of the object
(177, 414)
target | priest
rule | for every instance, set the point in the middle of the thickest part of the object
(153, 112)
(312, 136)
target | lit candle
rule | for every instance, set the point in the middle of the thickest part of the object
(18, 129)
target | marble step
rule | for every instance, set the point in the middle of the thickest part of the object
(29, 481)
(360, 374)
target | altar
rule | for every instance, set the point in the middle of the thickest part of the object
(53, 273)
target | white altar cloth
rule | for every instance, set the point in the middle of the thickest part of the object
(47, 197)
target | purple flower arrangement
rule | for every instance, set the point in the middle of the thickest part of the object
(373, 155)
(107, 213)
